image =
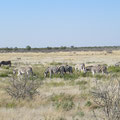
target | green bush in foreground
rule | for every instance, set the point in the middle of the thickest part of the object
(88, 103)
(63, 101)
(113, 69)
(3, 74)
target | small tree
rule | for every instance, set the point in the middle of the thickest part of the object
(49, 48)
(72, 47)
(63, 47)
(15, 49)
(107, 97)
(22, 87)
(28, 47)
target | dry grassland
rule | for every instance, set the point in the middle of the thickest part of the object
(49, 105)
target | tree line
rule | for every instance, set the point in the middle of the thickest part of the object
(28, 48)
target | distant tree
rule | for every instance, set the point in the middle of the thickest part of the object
(49, 48)
(15, 49)
(63, 47)
(56, 47)
(72, 46)
(8, 49)
(28, 47)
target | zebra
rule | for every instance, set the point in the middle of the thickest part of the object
(117, 64)
(5, 63)
(50, 71)
(61, 69)
(80, 67)
(68, 69)
(88, 68)
(99, 69)
(23, 70)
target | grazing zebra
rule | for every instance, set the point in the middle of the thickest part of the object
(99, 69)
(80, 67)
(5, 63)
(68, 69)
(61, 69)
(88, 68)
(51, 71)
(23, 70)
(117, 64)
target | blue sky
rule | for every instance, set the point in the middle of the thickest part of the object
(42, 23)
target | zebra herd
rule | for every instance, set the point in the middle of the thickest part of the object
(63, 69)
(79, 67)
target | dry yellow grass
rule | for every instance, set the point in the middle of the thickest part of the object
(74, 57)
(41, 107)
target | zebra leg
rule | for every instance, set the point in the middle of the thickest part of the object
(50, 74)
(93, 72)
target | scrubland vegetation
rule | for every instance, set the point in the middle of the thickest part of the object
(77, 96)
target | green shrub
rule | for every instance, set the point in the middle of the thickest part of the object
(11, 105)
(28, 47)
(3, 74)
(5, 67)
(99, 76)
(56, 63)
(39, 72)
(88, 103)
(113, 69)
(8, 103)
(71, 76)
(63, 101)
(88, 74)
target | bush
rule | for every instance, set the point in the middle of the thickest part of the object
(3, 74)
(28, 47)
(62, 101)
(56, 63)
(49, 48)
(88, 103)
(113, 69)
(107, 97)
(99, 76)
(88, 74)
(15, 49)
(11, 105)
(22, 87)
(39, 71)
(6, 103)
(71, 76)
(5, 67)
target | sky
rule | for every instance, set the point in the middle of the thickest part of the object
(54, 23)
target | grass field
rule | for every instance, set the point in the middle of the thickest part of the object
(59, 98)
